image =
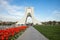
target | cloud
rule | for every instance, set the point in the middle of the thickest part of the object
(53, 16)
(4, 17)
(12, 9)
(6, 8)
(56, 13)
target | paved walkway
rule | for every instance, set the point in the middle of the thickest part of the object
(32, 34)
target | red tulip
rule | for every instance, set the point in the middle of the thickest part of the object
(6, 33)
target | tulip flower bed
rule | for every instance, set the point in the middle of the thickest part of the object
(10, 33)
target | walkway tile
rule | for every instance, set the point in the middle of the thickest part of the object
(32, 34)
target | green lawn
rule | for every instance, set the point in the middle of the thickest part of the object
(50, 31)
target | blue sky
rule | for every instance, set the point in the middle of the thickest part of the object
(44, 10)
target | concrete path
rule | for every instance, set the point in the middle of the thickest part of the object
(32, 34)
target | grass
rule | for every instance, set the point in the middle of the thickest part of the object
(50, 31)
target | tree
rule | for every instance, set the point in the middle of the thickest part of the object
(50, 22)
(54, 22)
(58, 22)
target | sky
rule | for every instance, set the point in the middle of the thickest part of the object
(44, 10)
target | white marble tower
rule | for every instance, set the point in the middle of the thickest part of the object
(29, 12)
